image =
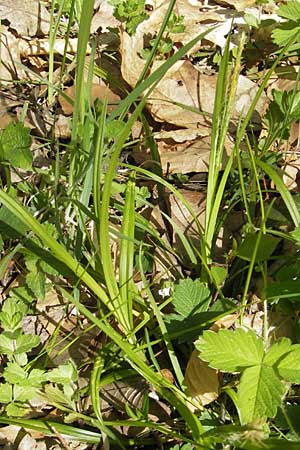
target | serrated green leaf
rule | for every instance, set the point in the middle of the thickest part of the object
(259, 394)
(15, 374)
(191, 297)
(24, 393)
(16, 410)
(26, 342)
(12, 314)
(15, 142)
(5, 393)
(276, 352)
(63, 374)
(284, 33)
(231, 351)
(289, 366)
(55, 396)
(36, 281)
(290, 11)
(6, 344)
(36, 377)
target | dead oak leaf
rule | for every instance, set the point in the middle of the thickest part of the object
(189, 156)
(185, 97)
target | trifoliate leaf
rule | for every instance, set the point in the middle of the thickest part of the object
(276, 352)
(191, 297)
(289, 366)
(15, 142)
(231, 351)
(259, 394)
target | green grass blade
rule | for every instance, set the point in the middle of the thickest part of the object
(283, 190)
(126, 283)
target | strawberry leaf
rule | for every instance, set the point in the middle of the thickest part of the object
(231, 351)
(288, 366)
(259, 394)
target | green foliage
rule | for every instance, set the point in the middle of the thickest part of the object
(130, 12)
(15, 142)
(22, 383)
(266, 247)
(283, 110)
(287, 30)
(175, 25)
(260, 390)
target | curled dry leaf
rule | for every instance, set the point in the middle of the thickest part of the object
(202, 382)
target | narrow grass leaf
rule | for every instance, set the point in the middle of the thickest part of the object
(283, 190)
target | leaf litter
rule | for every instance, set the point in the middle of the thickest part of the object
(182, 136)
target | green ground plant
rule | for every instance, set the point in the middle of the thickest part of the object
(63, 237)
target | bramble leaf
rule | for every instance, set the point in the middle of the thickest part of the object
(259, 393)
(231, 351)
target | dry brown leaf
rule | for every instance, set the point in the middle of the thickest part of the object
(202, 382)
(189, 156)
(62, 128)
(291, 177)
(184, 220)
(104, 18)
(185, 85)
(240, 5)
(10, 56)
(98, 92)
(224, 322)
(26, 17)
